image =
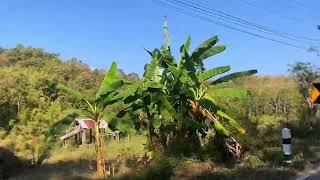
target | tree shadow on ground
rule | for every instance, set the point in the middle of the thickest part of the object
(82, 169)
(161, 168)
(9, 163)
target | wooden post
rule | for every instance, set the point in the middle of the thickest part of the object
(118, 136)
(112, 169)
(90, 136)
(79, 138)
(128, 137)
(84, 136)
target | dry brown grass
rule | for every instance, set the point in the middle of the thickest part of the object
(79, 162)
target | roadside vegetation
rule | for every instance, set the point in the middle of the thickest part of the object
(181, 119)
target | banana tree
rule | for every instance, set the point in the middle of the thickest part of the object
(147, 99)
(190, 87)
(95, 108)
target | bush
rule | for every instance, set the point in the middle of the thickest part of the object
(252, 161)
(298, 161)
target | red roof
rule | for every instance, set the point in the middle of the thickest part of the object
(89, 123)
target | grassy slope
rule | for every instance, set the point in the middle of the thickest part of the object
(79, 163)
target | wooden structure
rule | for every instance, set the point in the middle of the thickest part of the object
(82, 132)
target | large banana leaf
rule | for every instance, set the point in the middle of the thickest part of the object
(150, 69)
(127, 91)
(234, 76)
(213, 72)
(152, 84)
(210, 98)
(203, 48)
(125, 124)
(106, 99)
(228, 92)
(109, 78)
(231, 121)
(212, 51)
(58, 86)
(187, 44)
(174, 70)
(168, 107)
(62, 125)
(209, 103)
(116, 84)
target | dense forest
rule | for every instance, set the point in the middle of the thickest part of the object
(29, 108)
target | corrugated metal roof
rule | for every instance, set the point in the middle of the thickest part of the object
(86, 123)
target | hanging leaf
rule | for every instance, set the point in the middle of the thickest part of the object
(210, 52)
(62, 125)
(231, 121)
(213, 72)
(220, 129)
(127, 91)
(210, 98)
(125, 125)
(203, 47)
(234, 76)
(168, 107)
(58, 86)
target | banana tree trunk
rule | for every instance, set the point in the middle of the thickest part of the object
(101, 171)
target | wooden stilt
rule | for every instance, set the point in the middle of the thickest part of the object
(90, 135)
(84, 136)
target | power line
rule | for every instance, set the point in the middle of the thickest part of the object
(200, 6)
(236, 22)
(225, 25)
(271, 11)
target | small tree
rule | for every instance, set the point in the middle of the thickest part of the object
(305, 74)
(95, 108)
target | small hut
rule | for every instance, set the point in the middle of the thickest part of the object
(82, 131)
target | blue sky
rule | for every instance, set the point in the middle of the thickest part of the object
(100, 31)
